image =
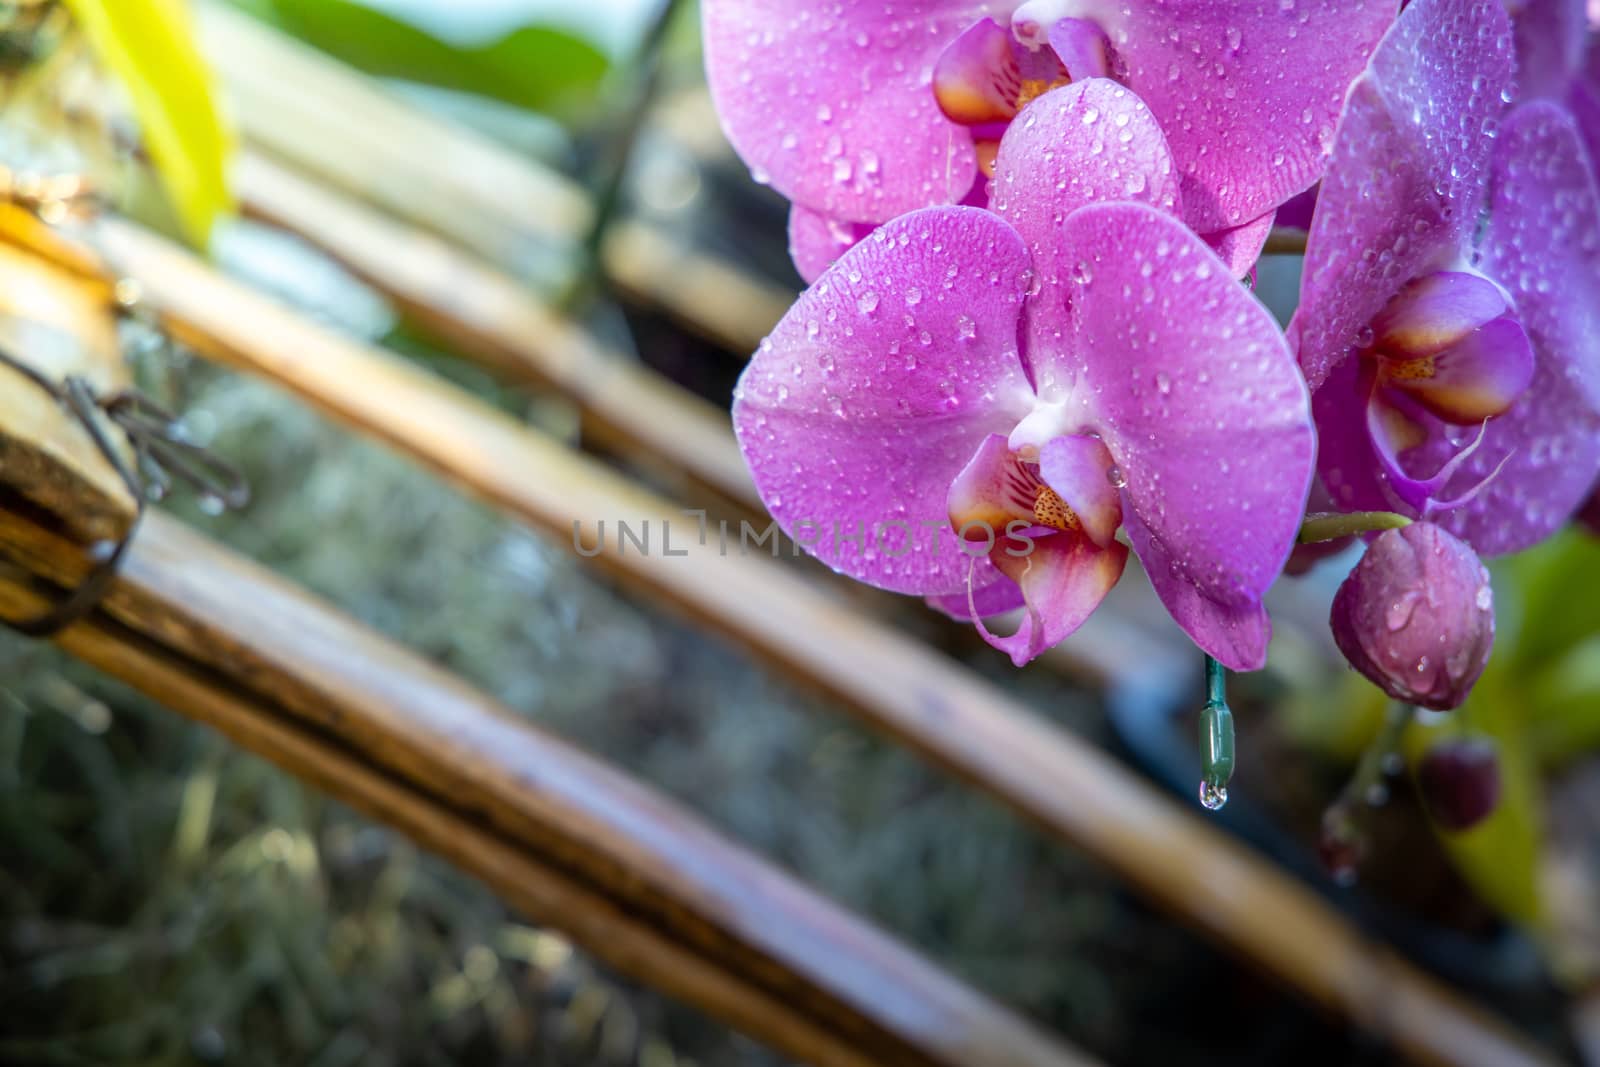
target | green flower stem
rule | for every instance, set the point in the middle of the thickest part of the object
(1368, 779)
(1332, 526)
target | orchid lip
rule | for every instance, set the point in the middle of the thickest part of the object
(990, 73)
(1065, 512)
(1453, 342)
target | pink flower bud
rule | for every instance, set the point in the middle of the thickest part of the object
(1460, 782)
(1416, 616)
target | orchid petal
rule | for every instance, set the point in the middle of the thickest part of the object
(1348, 462)
(879, 385)
(1409, 171)
(1196, 395)
(816, 241)
(1296, 213)
(1088, 142)
(835, 106)
(1583, 100)
(1062, 580)
(1550, 45)
(1248, 93)
(1543, 244)
(1241, 246)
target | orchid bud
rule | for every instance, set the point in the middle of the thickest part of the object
(1460, 782)
(1416, 616)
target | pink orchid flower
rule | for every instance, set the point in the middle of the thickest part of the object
(969, 404)
(860, 111)
(1449, 322)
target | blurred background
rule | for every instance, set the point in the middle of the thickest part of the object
(167, 899)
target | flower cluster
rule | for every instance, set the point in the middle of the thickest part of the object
(1030, 230)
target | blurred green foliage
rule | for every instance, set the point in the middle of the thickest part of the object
(536, 67)
(150, 47)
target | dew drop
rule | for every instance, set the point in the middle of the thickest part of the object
(1400, 612)
(1213, 797)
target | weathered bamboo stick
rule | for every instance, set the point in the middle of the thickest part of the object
(490, 316)
(289, 96)
(626, 873)
(47, 458)
(889, 681)
(328, 120)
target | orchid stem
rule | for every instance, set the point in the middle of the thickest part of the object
(1341, 842)
(640, 96)
(1216, 683)
(1330, 526)
(1366, 787)
(1363, 787)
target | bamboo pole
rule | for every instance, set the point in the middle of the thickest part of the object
(888, 681)
(481, 311)
(576, 845)
(47, 458)
(325, 119)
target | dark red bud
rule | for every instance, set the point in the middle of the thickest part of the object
(1459, 780)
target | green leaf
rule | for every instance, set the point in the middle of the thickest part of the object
(1564, 698)
(532, 67)
(1556, 593)
(149, 45)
